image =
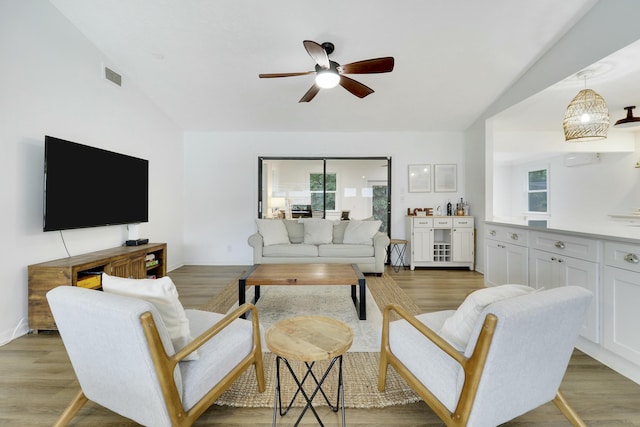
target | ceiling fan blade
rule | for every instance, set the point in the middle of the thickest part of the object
(356, 88)
(369, 66)
(317, 52)
(311, 93)
(273, 75)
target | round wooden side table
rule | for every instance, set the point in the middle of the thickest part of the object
(309, 339)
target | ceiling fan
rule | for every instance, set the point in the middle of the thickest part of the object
(329, 73)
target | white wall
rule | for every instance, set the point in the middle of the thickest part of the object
(51, 84)
(221, 180)
(572, 204)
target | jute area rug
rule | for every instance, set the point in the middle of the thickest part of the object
(360, 369)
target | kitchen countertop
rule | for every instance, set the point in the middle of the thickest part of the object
(621, 231)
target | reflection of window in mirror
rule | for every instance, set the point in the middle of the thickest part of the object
(537, 194)
(317, 188)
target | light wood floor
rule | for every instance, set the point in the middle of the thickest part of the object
(37, 382)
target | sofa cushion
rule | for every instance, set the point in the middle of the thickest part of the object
(346, 251)
(457, 328)
(273, 231)
(361, 232)
(162, 293)
(295, 229)
(291, 250)
(338, 231)
(317, 231)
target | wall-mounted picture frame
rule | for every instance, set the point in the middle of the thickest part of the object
(445, 178)
(419, 178)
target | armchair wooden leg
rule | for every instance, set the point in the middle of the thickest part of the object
(561, 402)
(382, 372)
(73, 408)
(259, 367)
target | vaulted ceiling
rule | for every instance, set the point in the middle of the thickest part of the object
(199, 60)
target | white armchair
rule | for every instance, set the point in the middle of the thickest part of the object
(124, 359)
(514, 361)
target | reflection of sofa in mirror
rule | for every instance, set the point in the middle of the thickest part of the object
(320, 241)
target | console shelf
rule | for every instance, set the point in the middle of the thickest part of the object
(124, 261)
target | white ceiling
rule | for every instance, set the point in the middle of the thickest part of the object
(616, 78)
(199, 60)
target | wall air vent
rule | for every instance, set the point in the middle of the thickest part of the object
(112, 76)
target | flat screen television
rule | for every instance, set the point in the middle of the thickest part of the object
(90, 187)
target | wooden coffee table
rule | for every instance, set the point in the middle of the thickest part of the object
(307, 274)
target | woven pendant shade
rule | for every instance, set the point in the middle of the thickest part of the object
(586, 118)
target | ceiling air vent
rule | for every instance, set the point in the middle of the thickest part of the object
(112, 76)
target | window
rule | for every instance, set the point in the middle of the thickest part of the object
(317, 188)
(537, 189)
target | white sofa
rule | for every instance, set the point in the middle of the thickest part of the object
(300, 241)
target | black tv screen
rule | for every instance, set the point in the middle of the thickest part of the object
(90, 187)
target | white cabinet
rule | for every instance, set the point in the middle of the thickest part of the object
(550, 267)
(620, 300)
(441, 241)
(506, 256)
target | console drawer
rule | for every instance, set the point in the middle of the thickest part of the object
(622, 255)
(562, 244)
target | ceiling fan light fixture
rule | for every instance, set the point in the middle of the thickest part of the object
(630, 120)
(586, 118)
(327, 79)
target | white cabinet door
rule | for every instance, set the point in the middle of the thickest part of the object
(621, 316)
(495, 270)
(422, 244)
(463, 244)
(541, 270)
(549, 270)
(578, 272)
(517, 264)
(506, 264)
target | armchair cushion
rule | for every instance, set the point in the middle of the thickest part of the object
(440, 374)
(218, 356)
(162, 293)
(457, 328)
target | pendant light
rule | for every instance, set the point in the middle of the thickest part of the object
(630, 120)
(587, 116)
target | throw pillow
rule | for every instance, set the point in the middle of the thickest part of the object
(338, 231)
(295, 230)
(162, 293)
(317, 231)
(457, 328)
(273, 231)
(361, 232)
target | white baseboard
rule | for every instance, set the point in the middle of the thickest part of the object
(9, 335)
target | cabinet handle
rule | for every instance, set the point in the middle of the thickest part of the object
(492, 232)
(514, 236)
(632, 258)
(560, 260)
(553, 258)
(559, 244)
